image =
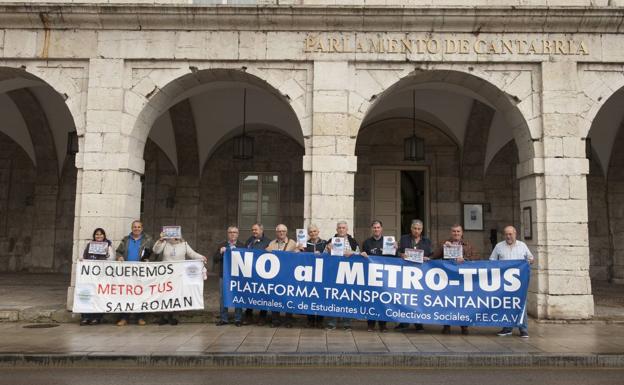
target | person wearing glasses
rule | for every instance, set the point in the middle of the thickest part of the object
(314, 245)
(281, 243)
(351, 247)
(231, 243)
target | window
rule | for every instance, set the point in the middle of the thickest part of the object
(258, 200)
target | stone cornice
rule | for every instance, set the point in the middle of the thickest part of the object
(314, 18)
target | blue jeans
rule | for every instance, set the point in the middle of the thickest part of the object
(223, 311)
(524, 322)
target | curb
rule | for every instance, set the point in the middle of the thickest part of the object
(315, 360)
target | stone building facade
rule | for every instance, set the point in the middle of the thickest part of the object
(154, 93)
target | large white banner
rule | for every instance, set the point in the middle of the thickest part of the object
(140, 287)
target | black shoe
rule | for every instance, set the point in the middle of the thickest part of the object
(383, 329)
(419, 328)
(237, 324)
(84, 322)
(347, 328)
(94, 321)
(288, 325)
(446, 329)
(464, 330)
(163, 321)
(221, 323)
(401, 326)
(504, 332)
(173, 321)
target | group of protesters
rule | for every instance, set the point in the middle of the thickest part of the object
(509, 249)
(138, 246)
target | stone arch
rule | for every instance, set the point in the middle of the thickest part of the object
(60, 113)
(40, 202)
(507, 89)
(598, 84)
(604, 125)
(155, 90)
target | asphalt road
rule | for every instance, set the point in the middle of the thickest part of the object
(311, 376)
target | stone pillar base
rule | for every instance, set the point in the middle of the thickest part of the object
(570, 307)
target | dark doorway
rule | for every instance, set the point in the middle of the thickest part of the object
(412, 199)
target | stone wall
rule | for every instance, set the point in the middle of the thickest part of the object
(18, 233)
(615, 185)
(600, 254)
(206, 207)
(382, 145)
(450, 181)
(606, 215)
(501, 192)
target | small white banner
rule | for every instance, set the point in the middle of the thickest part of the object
(389, 246)
(415, 255)
(140, 287)
(302, 238)
(338, 246)
(453, 251)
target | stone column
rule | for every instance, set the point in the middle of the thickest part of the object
(553, 184)
(108, 188)
(330, 163)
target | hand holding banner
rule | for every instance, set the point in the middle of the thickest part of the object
(113, 287)
(377, 288)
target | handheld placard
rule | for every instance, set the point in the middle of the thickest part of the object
(389, 246)
(415, 255)
(98, 248)
(302, 238)
(170, 232)
(338, 246)
(453, 251)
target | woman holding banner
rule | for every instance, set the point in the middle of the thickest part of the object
(169, 250)
(98, 249)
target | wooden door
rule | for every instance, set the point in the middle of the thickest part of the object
(387, 200)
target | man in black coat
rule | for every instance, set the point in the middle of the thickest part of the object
(231, 243)
(374, 246)
(259, 242)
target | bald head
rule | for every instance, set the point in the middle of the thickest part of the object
(510, 234)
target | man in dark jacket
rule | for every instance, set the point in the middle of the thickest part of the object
(231, 243)
(259, 242)
(415, 240)
(134, 247)
(374, 246)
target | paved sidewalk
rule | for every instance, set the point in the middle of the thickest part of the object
(41, 297)
(196, 344)
(38, 298)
